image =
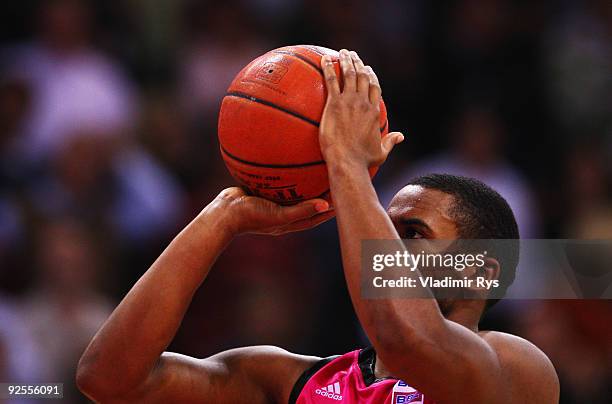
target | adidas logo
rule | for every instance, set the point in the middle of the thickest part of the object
(332, 391)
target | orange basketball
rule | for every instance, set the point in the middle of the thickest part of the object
(269, 125)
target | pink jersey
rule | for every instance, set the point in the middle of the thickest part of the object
(350, 379)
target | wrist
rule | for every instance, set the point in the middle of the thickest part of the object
(343, 158)
(218, 217)
(349, 182)
(346, 168)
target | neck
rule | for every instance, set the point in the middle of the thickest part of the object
(467, 313)
(464, 312)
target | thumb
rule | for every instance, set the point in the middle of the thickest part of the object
(303, 210)
(390, 140)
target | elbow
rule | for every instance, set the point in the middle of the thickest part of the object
(93, 381)
(88, 381)
(105, 381)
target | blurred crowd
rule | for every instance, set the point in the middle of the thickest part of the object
(108, 147)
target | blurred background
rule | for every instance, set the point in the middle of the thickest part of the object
(108, 147)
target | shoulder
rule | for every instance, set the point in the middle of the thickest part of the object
(518, 353)
(528, 370)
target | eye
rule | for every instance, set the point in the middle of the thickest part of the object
(410, 233)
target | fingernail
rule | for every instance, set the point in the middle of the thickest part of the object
(400, 138)
(321, 206)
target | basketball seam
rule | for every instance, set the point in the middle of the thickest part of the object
(302, 58)
(297, 200)
(313, 49)
(280, 187)
(244, 96)
(255, 164)
(272, 105)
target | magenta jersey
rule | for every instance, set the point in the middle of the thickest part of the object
(350, 379)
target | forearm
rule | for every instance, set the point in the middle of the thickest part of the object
(127, 347)
(360, 216)
(354, 196)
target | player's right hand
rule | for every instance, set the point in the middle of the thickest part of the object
(349, 132)
(251, 214)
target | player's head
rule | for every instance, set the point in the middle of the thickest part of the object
(449, 207)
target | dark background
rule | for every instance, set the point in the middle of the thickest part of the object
(108, 147)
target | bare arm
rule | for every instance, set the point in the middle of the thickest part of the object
(439, 357)
(125, 360)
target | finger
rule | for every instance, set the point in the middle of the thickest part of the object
(363, 76)
(302, 210)
(348, 72)
(375, 90)
(390, 140)
(331, 80)
(309, 223)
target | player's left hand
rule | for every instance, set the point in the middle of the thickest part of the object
(255, 215)
(349, 130)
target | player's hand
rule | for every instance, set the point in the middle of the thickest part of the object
(251, 214)
(349, 130)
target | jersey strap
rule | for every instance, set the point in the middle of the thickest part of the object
(367, 364)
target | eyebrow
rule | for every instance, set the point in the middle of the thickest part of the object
(414, 222)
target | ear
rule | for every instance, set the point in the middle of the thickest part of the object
(490, 269)
(479, 275)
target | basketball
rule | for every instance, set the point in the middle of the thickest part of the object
(269, 125)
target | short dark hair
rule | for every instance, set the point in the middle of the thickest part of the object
(480, 213)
